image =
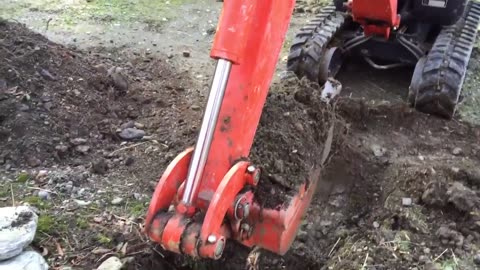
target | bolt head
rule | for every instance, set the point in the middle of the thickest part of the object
(246, 210)
(212, 239)
(251, 169)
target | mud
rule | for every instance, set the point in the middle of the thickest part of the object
(290, 140)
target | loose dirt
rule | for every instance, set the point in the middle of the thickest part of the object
(400, 189)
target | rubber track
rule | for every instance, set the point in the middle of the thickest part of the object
(309, 43)
(446, 65)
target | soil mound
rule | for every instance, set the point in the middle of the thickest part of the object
(62, 105)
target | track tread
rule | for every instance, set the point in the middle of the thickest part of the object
(308, 45)
(439, 86)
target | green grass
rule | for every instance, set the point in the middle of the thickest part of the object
(103, 239)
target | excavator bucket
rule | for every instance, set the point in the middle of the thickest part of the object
(207, 194)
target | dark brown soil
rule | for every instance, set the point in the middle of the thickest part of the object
(290, 140)
(61, 105)
(23, 218)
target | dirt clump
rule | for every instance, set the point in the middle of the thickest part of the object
(290, 140)
(23, 218)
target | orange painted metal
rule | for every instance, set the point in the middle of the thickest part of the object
(224, 197)
(250, 34)
(168, 185)
(274, 229)
(376, 18)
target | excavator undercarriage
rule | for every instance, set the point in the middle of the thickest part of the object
(436, 40)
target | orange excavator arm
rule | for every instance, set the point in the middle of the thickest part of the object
(211, 185)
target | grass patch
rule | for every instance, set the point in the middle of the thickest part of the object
(82, 223)
(37, 202)
(23, 177)
(137, 209)
(103, 239)
(51, 225)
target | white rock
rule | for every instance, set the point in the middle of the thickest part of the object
(117, 201)
(112, 263)
(331, 89)
(28, 260)
(17, 230)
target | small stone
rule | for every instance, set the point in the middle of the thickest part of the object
(407, 201)
(82, 203)
(299, 127)
(376, 225)
(462, 197)
(48, 106)
(44, 195)
(457, 151)
(131, 134)
(100, 166)
(118, 78)
(377, 150)
(476, 259)
(112, 263)
(138, 125)
(82, 148)
(195, 107)
(129, 124)
(423, 259)
(426, 250)
(137, 196)
(61, 149)
(186, 54)
(41, 174)
(34, 162)
(78, 141)
(98, 219)
(47, 75)
(117, 201)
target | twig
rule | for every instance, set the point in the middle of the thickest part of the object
(365, 262)
(454, 257)
(334, 246)
(438, 257)
(126, 148)
(13, 197)
(48, 23)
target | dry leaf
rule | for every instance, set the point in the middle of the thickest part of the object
(100, 250)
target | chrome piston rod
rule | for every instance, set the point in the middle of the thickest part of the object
(210, 118)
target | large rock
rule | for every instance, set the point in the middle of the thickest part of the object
(28, 260)
(17, 230)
